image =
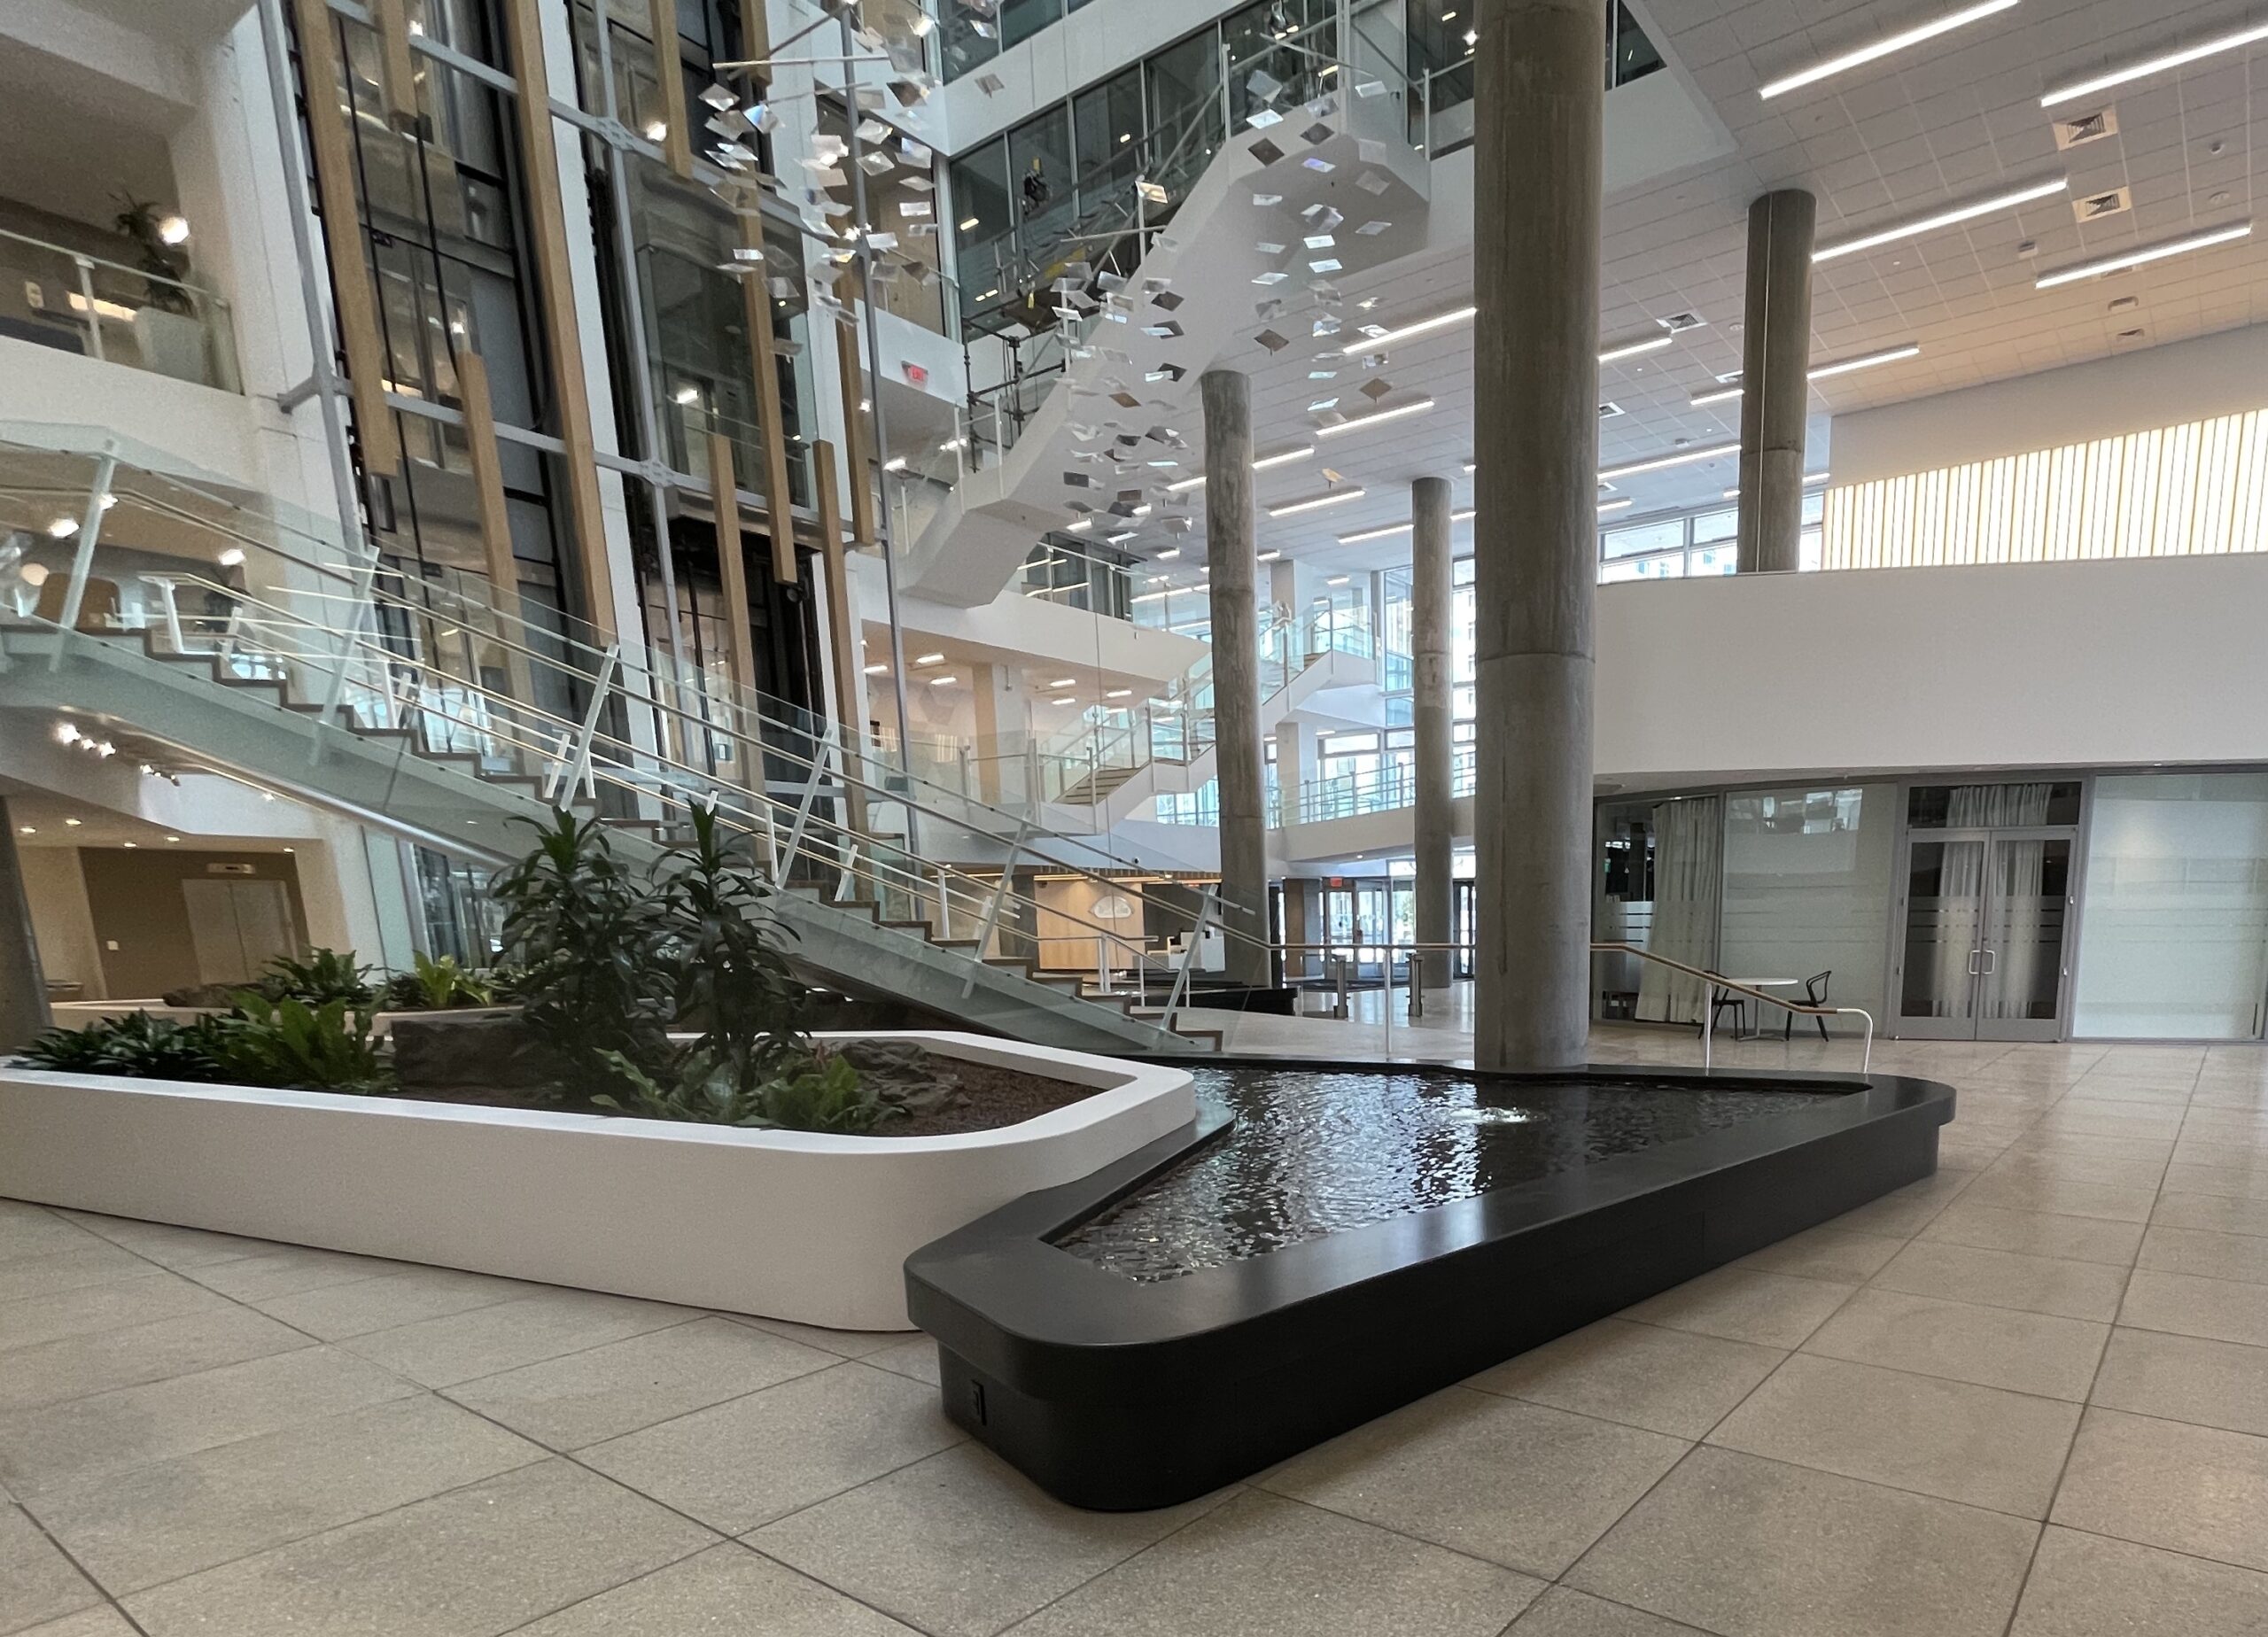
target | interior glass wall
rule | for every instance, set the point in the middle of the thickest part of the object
(1807, 881)
(2173, 927)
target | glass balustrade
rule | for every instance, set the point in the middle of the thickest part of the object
(106, 310)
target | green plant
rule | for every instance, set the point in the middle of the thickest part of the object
(324, 976)
(288, 1043)
(586, 937)
(720, 952)
(814, 1092)
(167, 267)
(138, 1046)
(437, 986)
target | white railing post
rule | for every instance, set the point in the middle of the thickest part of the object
(83, 556)
(992, 910)
(1180, 991)
(581, 773)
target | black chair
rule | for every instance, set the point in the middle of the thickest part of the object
(1814, 995)
(1719, 999)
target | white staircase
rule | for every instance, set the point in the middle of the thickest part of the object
(1128, 391)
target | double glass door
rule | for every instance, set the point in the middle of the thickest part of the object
(1987, 915)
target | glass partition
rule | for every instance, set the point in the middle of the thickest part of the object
(2174, 908)
(1807, 888)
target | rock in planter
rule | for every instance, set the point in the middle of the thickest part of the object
(483, 1050)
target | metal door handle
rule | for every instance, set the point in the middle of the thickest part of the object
(1973, 954)
(1991, 962)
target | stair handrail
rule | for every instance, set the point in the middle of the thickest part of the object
(1732, 986)
(507, 719)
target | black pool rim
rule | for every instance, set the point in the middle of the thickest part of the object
(1118, 1395)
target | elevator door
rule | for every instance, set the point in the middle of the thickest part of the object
(1984, 951)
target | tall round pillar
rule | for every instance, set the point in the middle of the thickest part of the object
(1430, 715)
(1232, 557)
(1775, 380)
(1539, 107)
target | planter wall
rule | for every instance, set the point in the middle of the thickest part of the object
(783, 1224)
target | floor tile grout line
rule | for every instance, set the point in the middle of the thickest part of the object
(549, 1358)
(541, 1455)
(2078, 1427)
(69, 1557)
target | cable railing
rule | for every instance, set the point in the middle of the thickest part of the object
(139, 317)
(558, 718)
(1386, 788)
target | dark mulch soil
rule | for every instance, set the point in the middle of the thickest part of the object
(989, 1098)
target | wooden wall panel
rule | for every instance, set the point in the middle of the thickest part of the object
(763, 355)
(857, 454)
(562, 334)
(676, 141)
(352, 293)
(842, 620)
(397, 69)
(731, 563)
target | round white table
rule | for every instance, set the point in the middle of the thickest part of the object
(1750, 983)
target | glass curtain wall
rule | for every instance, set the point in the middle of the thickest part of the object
(1684, 546)
(1807, 888)
(2173, 908)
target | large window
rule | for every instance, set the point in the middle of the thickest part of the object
(1807, 888)
(1703, 543)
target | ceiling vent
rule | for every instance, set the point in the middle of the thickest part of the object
(1607, 412)
(1678, 322)
(2086, 128)
(2095, 206)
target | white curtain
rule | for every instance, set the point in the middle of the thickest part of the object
(1688, 885)
(1961, 896)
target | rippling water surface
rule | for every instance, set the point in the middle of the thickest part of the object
(1314, 1153)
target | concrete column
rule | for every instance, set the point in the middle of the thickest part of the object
(1230, 554)
(1430, 596)
(1776, 387)
(23, 987)
(1539, 107)
(1003, 712)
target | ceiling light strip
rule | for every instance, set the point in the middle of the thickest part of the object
(1954, 217)
(1265, 462)
(2242, 37)
(1409, 332)
(2142, 257)
(1682, 457)
(1359, 422)
(1336, 497)
(1397, 528)
(1885, 47)
(1631, 349)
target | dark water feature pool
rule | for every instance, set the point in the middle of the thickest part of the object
(1318, 1151)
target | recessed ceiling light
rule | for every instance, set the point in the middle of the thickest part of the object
(1264, 463)
(232, 557)
(2157, 65)
(25, 829)
(929, 659)
(1169, 553)
(655, 131)
(72, 823)
(129, 844)
(1338, 579)
(1885, 46)
(1865, 360)
(878, 671)
(1269, 555)
(1065, 682)
(1683, 457)
(943, 681)
(174, 230)
(1716, 396)
(1612, 506)
(1931, 223)
(62, 528)
(1631, 349)
(1423, 326)
(1359, 422)
(1336, 497)
(172, 838)
(2139, 258)
(1080, 527)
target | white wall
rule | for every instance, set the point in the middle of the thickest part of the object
(62, 924)
(2134, 391)
(2034, 664)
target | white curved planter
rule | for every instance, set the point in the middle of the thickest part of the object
(783, 1224)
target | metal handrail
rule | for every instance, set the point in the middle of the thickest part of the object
(118, 266)
(1332, 946)
(1717, 980)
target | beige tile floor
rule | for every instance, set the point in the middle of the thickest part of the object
(2029, 1396)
